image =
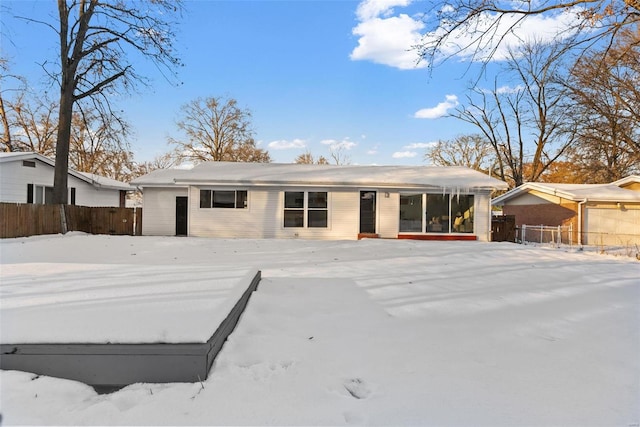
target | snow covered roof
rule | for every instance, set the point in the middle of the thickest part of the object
(24, 155)
(90, 178)
(103, 181)
(631, 179)
(575, 192)
(281, 174)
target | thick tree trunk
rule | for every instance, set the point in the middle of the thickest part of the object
(8, 144)
(60, 184)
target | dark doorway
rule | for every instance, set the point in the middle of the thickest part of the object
(367, 212)
(181, 215)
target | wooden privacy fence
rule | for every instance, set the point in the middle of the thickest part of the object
(21, 220)
(503, 228)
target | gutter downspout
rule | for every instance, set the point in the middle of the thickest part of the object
(580, 207)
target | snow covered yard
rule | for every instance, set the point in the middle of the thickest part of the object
(370, 332)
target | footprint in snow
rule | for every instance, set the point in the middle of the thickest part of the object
(357, 388)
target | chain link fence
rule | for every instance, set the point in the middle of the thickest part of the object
(567, 237)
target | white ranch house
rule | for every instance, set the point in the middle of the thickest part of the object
(258, 200)
(27, 177)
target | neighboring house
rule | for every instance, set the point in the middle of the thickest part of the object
(607, 214)
(267, 200)
(27, 177)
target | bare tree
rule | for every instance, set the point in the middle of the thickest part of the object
(563, 171)
(7, 142)
(477, 29)
(339, 156)
(249, 152)
(524, 122)
(217, 129)
(32, 123)
(605, 89)
(308, 159)
(162, 161)
(95, 37)
(472, 151)
(99, 145)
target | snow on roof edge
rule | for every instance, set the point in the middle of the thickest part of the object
(574, 192)
(257, 174)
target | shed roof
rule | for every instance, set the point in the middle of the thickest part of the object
(103, 181)
(90, 178)
(281, 174)
(574, 192)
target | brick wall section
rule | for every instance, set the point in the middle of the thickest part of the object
(549, 214)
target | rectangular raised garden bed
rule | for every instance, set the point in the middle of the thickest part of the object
(108, 366)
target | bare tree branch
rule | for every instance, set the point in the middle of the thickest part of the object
(217, 129)
(477, 30)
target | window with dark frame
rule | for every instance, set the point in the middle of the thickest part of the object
(315, 209)
(223, 199)
(29, 163)
(294, 209)
(39, 194)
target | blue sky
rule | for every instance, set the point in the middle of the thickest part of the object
(315, 75)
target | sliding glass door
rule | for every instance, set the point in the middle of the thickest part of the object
(411, 213)
(436, 213)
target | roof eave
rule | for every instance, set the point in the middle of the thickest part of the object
(325, 184)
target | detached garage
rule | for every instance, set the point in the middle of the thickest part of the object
(600, 214)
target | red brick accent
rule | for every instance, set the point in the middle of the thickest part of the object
(543, 214)
(368, 236)
(437, 236)
(549, 214)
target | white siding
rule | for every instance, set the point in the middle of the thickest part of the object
(159, 212)
(388, 214)
(482, 223)
(255, 221)
(14, 178)
(88, 195)
(13, 181)
(263, 217)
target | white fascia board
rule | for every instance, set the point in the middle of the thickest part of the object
(350, 185)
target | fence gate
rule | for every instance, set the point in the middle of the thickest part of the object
(503, 228)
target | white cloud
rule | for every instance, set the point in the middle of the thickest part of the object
(389, 41)
(417, 145)
(387, 37)
(369, 9)
(440, 110)
(404, 154)
(373, 150)
(345, 144)
(510, 32)
(284, 144)
(509, 89)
